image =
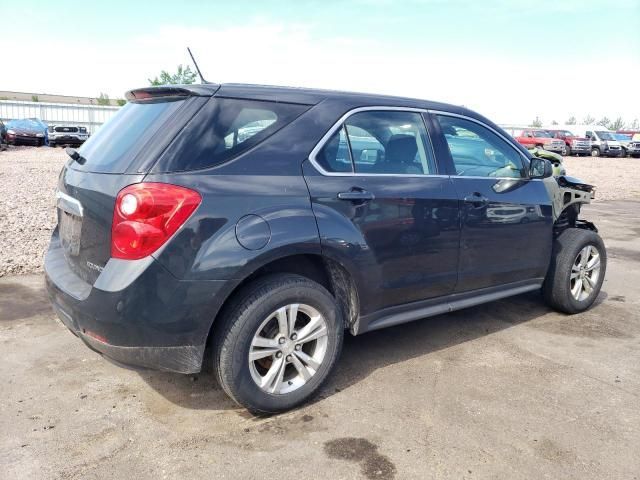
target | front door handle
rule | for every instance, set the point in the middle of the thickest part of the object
(356, 195)
(477, 200)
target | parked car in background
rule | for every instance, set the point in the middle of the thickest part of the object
(625, 141)
(30, 131)
(633, 134)
(537, 138)
(72, 135)
(573, 144)
(633, 147)
(603, 141)
(262, 246)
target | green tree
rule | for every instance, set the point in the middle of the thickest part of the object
(553, 122)
(103, 99)
(572, 120)
(536, 123)
(588, 120)
(604, 122)
(184, 76)
(618, 124)
(121, 101)
(34, 98)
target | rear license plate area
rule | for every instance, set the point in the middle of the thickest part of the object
(70, 228)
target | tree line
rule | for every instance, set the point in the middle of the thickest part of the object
(617, 124)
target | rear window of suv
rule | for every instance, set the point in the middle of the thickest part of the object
(223, 129)
(112, 148)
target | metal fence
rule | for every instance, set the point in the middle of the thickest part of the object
(90, 116)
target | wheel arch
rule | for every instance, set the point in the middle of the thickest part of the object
(322, 269)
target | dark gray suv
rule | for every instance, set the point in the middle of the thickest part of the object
(261, 223)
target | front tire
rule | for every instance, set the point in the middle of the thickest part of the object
(577, 270)
(277, 343)
(595, 152)
(566, 151)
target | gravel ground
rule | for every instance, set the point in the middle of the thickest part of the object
(28, 177)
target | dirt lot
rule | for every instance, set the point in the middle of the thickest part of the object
(28, 178)
(505, 390)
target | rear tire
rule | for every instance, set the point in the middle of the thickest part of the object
(577, 270)
(286, 370)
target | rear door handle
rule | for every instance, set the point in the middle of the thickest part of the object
(356, 196)
(477, 200)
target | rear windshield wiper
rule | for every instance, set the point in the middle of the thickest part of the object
(75, 155)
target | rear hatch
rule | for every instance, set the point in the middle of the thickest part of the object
(120, 153)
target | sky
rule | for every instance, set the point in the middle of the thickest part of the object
(509, 60)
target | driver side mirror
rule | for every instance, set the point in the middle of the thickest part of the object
(540, 168)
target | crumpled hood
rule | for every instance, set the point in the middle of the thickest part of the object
(566, 181)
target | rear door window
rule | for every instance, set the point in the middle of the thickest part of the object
(379, 143)
(389, 142)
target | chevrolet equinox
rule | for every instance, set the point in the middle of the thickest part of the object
(258, 224)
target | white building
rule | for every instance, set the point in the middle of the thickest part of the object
(90, 116)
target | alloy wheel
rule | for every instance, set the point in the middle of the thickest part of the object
(585, 273)
(288, 348)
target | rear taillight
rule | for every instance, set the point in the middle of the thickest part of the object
(146, 215)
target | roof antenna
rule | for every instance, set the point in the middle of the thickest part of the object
(202, 80)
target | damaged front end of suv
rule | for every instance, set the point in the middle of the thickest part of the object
(568, 194)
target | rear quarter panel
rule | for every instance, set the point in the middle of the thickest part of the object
(206, 247)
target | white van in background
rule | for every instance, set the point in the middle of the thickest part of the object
(603, 140)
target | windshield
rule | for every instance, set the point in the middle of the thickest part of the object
(623, 136)
(606, 135)
(566, 133)
(541, 134)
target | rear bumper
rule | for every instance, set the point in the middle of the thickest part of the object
(180, 359)
(154, 321)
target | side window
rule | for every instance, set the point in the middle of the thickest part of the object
(334, 156)
(477, 151)
(365, 148)
(245, 125)
(223, 129)
(389, 142)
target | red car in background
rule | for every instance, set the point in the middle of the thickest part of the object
(537, 138)
(574, 145)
